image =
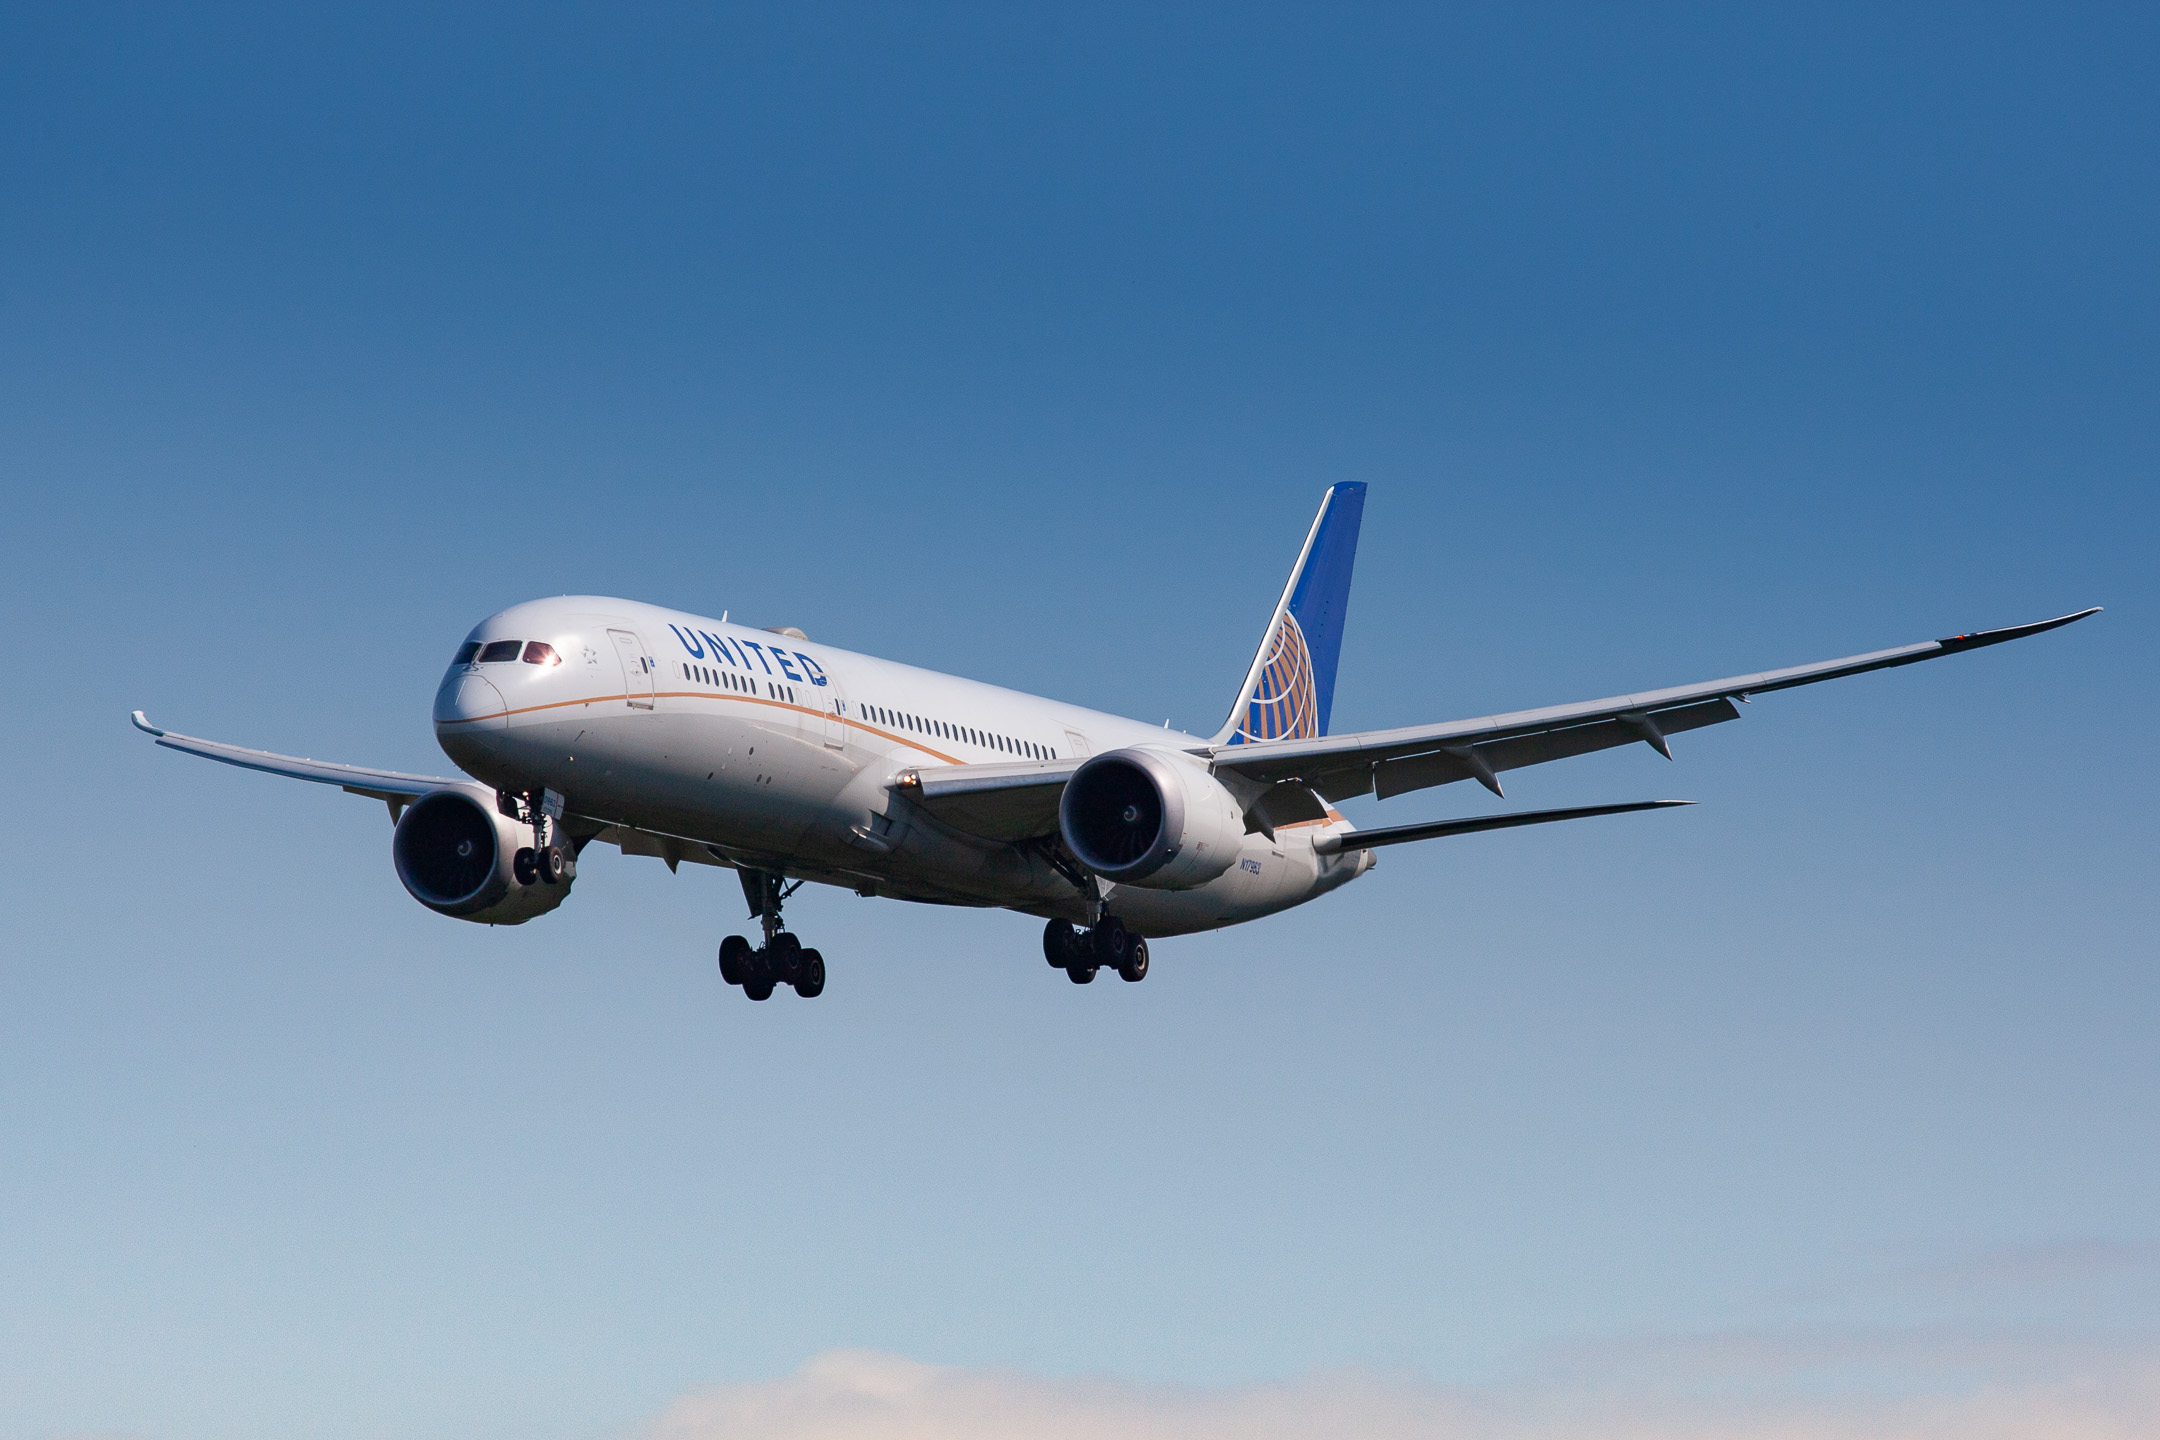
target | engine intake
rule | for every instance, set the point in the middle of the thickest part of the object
(457, 854)
(1152, 818)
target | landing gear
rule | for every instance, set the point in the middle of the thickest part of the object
(549, 860)
(1107, 945)
(781, 960)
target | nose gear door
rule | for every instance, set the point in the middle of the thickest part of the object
(637, 669)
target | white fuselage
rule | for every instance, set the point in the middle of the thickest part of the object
(698, 740)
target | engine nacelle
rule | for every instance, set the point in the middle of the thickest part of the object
(1150, 817)
(457, 854)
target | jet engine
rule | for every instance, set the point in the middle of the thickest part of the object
(1150, 817)
(459, 855)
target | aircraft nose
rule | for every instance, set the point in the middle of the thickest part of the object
(470, 702)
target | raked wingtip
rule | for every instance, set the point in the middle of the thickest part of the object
(142, 723)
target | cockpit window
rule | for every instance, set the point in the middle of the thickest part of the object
(501, 650)
(539, 652)
(466, 652)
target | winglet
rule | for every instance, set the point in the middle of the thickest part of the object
(142, 723)
(2011, 632)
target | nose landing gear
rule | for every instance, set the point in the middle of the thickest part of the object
(1107, 945)
(781, 960)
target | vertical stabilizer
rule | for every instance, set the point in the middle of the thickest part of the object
(1290, 688)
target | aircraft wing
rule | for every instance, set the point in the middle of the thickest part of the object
(1334, 842)
(1391, 762)
(392, 787)
(1006, 801)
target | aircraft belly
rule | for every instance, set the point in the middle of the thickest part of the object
(1266, 879)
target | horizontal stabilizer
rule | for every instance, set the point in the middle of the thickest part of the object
(1436, 829)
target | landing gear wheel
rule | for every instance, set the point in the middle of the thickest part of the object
(810, 975)
(525, 867)
(552, 864)
(734, 959)
(784, 957)
(1135, 966)
(758, 978)
(1061, 944)
(1113, 943)
(1080, 974)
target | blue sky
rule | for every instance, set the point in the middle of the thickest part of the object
(1022, 343)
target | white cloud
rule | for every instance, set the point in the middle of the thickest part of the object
(1777, 1392)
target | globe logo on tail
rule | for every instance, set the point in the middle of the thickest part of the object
(1284, 702)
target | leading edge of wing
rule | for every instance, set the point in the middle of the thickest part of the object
(379, 784)
(1262, 758)
(1006, 801)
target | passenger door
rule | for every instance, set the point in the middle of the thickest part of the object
(835, 707)
(637, 669)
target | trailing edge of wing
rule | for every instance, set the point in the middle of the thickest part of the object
(1389, 762)
(1335, 842)
(390, 786)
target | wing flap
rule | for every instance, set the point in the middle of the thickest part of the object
(1441, 767)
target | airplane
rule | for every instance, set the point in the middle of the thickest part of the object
(673, 735)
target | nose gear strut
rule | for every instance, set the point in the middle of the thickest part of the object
(548, 860)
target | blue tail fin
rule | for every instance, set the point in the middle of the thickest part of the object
(1291, 686)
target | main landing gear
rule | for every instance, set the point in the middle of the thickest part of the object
(781, 960)
(1108, 945)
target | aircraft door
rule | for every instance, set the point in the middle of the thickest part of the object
(637, 669)
(835, 706)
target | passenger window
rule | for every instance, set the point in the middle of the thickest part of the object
(501, 650)
(466, 652)
(539, 652)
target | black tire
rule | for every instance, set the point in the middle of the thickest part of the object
(1113, 942)
(758, 972)
(810, 975)
(734, 959)
(786, 954)
(1080, 974)
(758, 989)
(1135, 967)
(525, 867)
(551, 865)
(1061, 943)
